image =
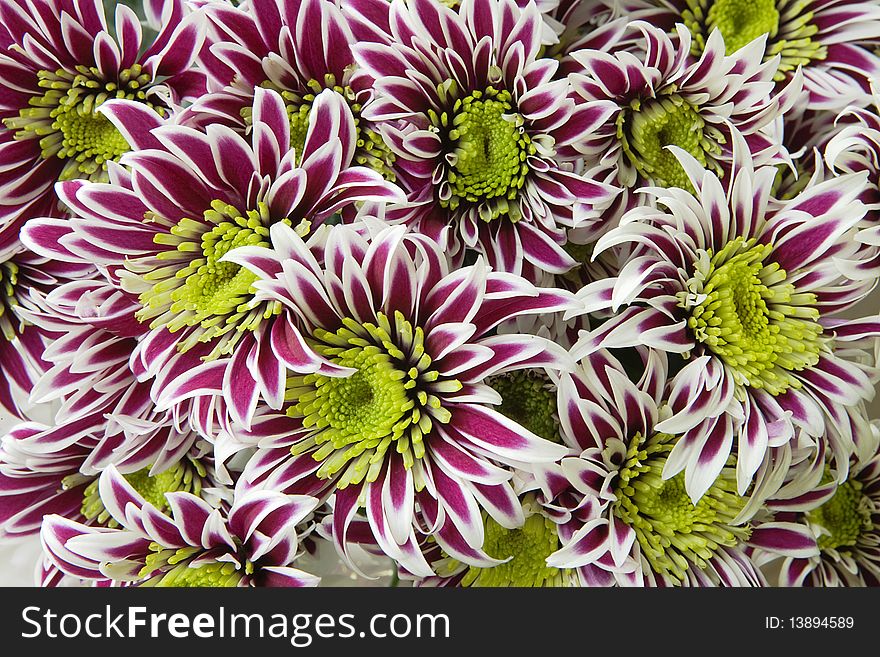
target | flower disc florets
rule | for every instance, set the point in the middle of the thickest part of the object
(67, 121)
(488, 148)
(526, 549)
(744, 310)
(674, 533)
(647, 127)
(198, 288)
(381, 406)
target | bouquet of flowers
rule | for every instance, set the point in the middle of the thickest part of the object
(515, 293)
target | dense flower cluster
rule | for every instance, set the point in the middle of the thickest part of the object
(472, 292)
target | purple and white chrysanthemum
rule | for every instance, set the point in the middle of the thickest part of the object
(89, 382)
(252, 542)
(481, 130)
(22, 344)
(842, 519)
(48, 470)
(746, 289)
(297, 49)
(385, 357)
(636, 106)
(635, 522)
(60, 62)
(833, 42)
(161, 229)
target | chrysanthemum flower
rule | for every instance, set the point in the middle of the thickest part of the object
(48, 470)
(832, 41)
(296, 49)
(641, 526)
(22, 343)
(255, 542)
(842, 519)
(521, 552)
(747, 290)
(640, 105)
(479, 126)
(392, 355)
(59, 64)
(162, 230)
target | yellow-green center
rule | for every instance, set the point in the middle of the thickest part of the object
(390, 401)
(193, 287)
(487, 153)
(744, 311)
(175, 568)
(788, 24)
(646, 128)
(183, 476)
(66, 121)
(674, 534)
(527, 549)
(529, 398)
(843, 518)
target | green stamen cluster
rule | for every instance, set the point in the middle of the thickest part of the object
(390, 401)
(8, 284)
(674, 534)
(647, 127)
(529, 398)
(528, 548)
(843, 518)
(196, 289)
(746, 313)
(788, 25)
(66, 121)
(487, 153)
(166, 567)
(185, 477)
(741, 22)
(371, 150)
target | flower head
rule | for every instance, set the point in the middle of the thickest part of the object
(480, 127)
(164, 229)
(296, 49)
(61, 63)
(746, 289)
(642, 104)
(252, 543)
(390, 354)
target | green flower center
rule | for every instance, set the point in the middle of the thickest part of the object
(185, 477)
(645, 129)
(673, 533)
(746, 313)
(8, 298)
(741, 22)
(487, 153)
(529, 398)
(215, 575)
(390, 401)
(843, 518)
(167, 567)
(66, 121)
(370, 151)
(787, 23)
(192, 287)
(528, 548)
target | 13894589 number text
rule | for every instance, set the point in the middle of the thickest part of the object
(809, 622)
